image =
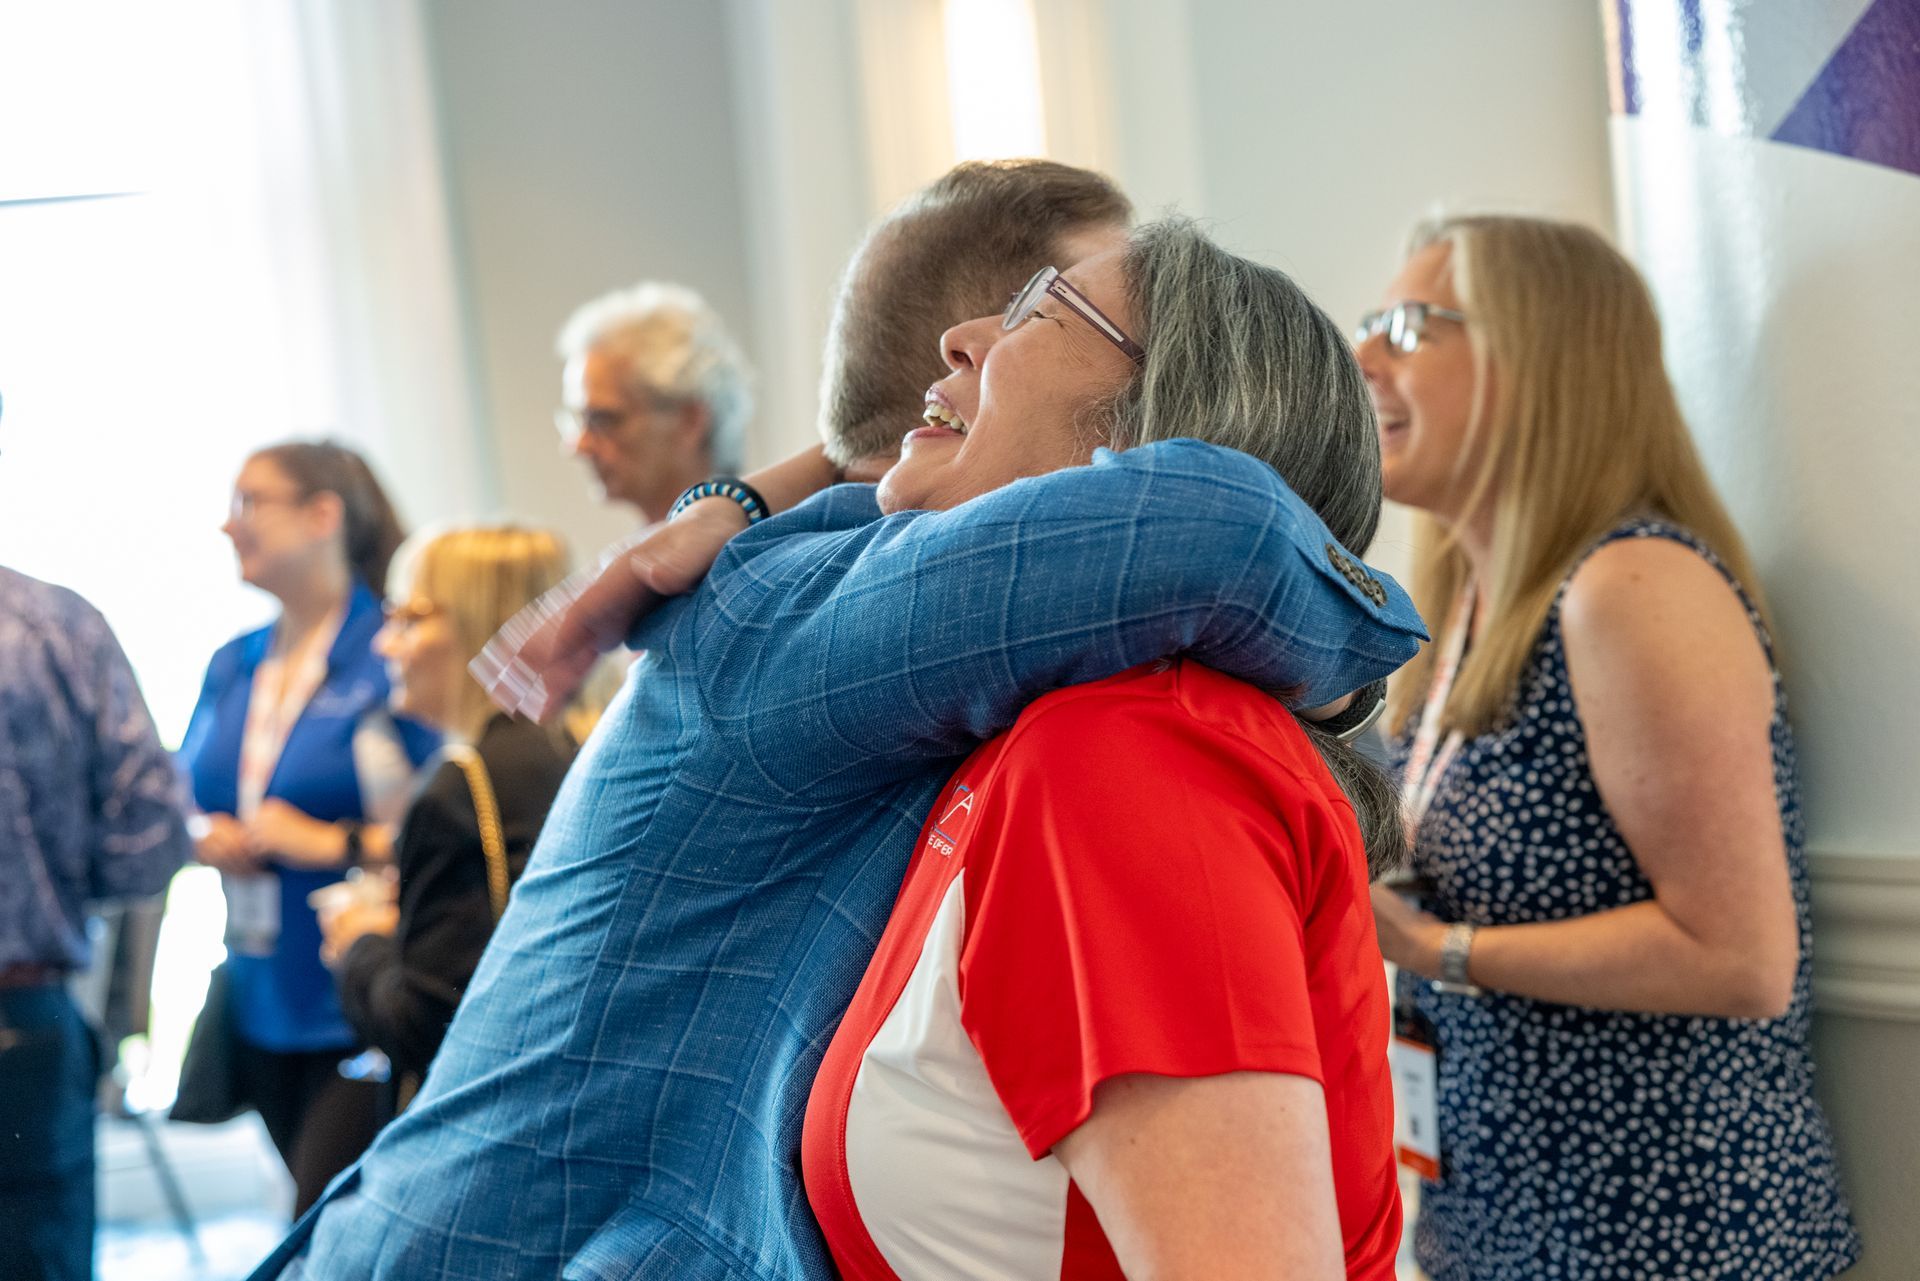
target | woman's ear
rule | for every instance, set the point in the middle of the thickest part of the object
(326, 514)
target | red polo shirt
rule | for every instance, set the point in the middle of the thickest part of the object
(1152, 873)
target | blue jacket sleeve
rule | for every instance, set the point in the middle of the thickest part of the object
(837, 644)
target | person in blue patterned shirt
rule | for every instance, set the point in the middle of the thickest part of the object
(93, 810)
(621, 1092)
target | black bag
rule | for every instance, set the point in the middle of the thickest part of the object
(209, 1076)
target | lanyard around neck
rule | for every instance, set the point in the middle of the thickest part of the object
(1425, 765)
(283, 685)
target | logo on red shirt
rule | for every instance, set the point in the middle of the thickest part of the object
(955, 815)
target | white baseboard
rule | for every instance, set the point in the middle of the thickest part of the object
(1866, 935)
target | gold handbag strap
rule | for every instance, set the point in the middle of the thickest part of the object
(493, 842)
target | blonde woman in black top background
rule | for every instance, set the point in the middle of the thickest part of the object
(404, 961)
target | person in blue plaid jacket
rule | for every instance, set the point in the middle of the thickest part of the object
(621, 1092)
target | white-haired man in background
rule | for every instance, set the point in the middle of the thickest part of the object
(655, 394)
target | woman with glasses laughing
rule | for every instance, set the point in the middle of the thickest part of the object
(1124, 1019)
(1613, 961)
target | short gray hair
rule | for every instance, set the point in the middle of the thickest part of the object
(676, 348)
(1238, 355)
(956, 249)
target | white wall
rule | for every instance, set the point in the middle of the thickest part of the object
(1313, 135)
(803, 159)
(587, 145)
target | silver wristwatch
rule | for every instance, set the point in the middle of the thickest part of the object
(1456, 946)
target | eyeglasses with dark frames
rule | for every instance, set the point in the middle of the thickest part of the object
(1048, 282)
(1404, 324)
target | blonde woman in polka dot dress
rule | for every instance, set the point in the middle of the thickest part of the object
(1603, 790)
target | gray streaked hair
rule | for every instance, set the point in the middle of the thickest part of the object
(675, 348)
(1238, 355)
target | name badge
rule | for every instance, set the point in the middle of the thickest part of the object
(253, 912)
(1416, 1105)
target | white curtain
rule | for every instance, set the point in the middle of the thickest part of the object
(222, 223)
(353, 199)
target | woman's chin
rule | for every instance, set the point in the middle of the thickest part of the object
(897, 492)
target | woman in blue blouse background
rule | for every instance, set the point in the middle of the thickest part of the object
(298, 769)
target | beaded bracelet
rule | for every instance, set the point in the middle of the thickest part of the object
(725, 487)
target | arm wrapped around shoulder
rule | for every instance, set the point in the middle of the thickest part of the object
(875, 647)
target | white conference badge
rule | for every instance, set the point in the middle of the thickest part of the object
(253, 912)
(1416, 1105)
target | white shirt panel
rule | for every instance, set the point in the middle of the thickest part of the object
(382, 768)
(940, 1177)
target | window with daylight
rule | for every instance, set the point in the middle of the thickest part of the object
(193, 200)
(993, 79)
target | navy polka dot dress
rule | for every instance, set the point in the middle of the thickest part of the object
(1587, 1145)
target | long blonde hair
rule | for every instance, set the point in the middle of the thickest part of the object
(1582, 431)
(481, 576)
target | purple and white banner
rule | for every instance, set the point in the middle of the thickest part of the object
(1767, 174)
(1841, 76)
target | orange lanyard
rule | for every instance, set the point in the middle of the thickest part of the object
(1425, 766)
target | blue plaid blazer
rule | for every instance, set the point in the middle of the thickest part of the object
(620, 1094)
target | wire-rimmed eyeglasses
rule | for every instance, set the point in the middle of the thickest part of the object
(1049, 282)
(1404, 324)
